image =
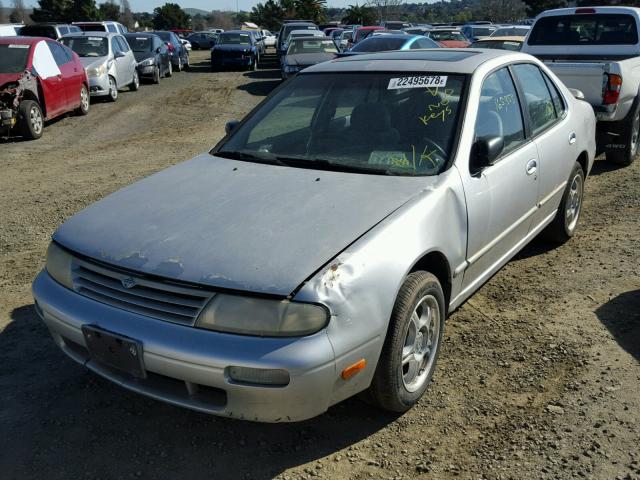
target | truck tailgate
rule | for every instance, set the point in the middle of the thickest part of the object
(584, 76)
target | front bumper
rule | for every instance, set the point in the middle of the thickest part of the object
(146, 71)
(187, 366)
(99, 86)
(232, 62)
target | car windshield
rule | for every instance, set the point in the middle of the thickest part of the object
(299, 46)
(444, 35)
(585, 29)
(140, 44)
(498, 45)
(482, 31)
(13, 57)
(378, 123)
(510, 32)
(39, 31)
(93, 27)
(234, 39)
(88, 46)
(379, 44)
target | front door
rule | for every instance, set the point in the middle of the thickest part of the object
(501, 198)
(50, 76)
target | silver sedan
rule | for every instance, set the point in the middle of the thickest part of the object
(317, 250)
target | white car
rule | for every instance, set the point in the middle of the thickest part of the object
(269, 38)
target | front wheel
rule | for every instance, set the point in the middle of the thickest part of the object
(169, 70)
(412, 345)
(113, 90)
(83, 109)
(630, 138)
(135, 83)
(30, 120)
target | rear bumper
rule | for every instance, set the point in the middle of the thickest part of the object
(188, 367)
(147, 71)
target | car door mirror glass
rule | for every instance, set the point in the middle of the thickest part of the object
(485, 151)
(230, 126)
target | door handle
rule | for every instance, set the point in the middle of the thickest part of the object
(532, 166)
(572, 139)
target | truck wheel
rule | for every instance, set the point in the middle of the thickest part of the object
(83, 109)
(563, 226)
(630, 134)
(411, 348)
(30, 120)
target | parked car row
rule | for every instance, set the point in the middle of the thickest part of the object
(44, 77)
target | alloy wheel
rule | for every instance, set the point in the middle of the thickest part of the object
(421, 340)
(35, 118)
(574, 202)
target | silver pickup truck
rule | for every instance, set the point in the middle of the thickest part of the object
(596, 50)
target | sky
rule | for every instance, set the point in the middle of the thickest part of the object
(149, 5)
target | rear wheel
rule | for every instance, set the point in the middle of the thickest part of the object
(169, 70)
(630, 138)
(411, 348)
(135, 84)
(113, 90)
(179, 68)
(565, 222)
(30, 120)
(83, 109)
(156, 75)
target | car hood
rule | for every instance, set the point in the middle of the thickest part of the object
(9, 78)
(92, 62)
(140, 56)
(309, 58)
(232, 224)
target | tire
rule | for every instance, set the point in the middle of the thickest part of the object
(410, 351)
(631, 139)
(113, 90)
(179, 68)
(85, 101)
(254, 65)
(169, 70)
(156, 75)
(30, 120)
(565, 222)
(187, 66)
(135, 84)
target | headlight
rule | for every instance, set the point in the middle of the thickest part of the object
(291, 69)
(96, 72)
(147, 62)
(59, 265)
(262, 317)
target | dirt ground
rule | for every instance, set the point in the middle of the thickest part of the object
(538, 378)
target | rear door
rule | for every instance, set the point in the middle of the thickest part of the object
(51, 83)
(501, 198)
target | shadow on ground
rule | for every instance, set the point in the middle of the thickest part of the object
(59, 418)
(621, 316)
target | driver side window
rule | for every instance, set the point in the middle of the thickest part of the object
(499, 112)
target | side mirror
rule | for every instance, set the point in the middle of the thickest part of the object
(485, 150)
(158, 50)
(118, 54)
(230, 126)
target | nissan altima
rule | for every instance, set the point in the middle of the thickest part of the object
(315, 252)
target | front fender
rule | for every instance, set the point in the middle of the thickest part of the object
(361, 284)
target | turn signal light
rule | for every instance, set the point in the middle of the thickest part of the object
(612, 89)
(351, 370)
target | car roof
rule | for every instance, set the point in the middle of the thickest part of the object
(21, 40)
(319, 32)
(237, 31)
(374, 27)
(506, 38)
(47, 24)
(311, 37)
(450, 60)
(92, 34)
(139, 34)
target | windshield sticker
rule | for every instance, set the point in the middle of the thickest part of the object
(95, 39)
(391, 159)
(142, 38)
(440, 110)
(417, 82)
(18, 46)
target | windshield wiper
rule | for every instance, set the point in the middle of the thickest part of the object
(250, 157)
(324, 164)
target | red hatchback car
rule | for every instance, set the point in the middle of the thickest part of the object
(40, 79)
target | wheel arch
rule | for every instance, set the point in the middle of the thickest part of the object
(583, 160)
(436, 263)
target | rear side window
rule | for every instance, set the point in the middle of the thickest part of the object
(585, 29)
(558, 103)
(499, 113)
(60, 55)
(39, 31)
(542, 112)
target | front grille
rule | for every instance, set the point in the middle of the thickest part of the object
(157, 299)
(230, 54)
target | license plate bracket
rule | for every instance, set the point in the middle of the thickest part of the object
(114, 350)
